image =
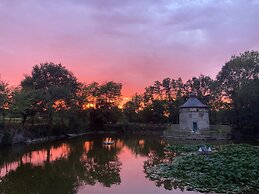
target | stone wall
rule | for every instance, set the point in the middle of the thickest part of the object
(189, 115)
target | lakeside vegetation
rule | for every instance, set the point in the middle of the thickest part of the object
(230, 169)
(51, 101)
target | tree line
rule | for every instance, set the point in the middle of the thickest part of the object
(52, 96)
(233, 97)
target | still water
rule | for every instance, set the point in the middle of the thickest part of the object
(84, 165)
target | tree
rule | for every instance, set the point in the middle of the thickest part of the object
(132, 108)
(23, 103)
(202, 86)
(52, 83)
(4, 93)
(108, 95)
(233, 77)
(87, 95)
(249, 105)
(238, 71)
(107, 98)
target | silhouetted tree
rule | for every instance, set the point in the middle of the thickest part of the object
(4, 93)
(53, 83)
(23, 103)
(132, 108)
(233, 77)
(248, 105)
(107, 98)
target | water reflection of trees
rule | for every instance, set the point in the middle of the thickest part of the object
(83, 163)
(65, 167)
(144, 146)
(102, 164)
(154, 159)
(153, 148)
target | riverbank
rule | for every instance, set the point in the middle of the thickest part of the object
(12, 138)
(39, 134)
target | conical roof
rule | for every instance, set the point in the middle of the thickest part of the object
(193, 102)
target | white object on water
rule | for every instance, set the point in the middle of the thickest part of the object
(108, 142)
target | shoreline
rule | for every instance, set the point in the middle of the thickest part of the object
(167, 131)
(26, 137)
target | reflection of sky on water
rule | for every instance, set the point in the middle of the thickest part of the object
(86, 166)
(133, 180)
(37, 158)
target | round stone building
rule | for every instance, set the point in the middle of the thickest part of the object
(193, 115)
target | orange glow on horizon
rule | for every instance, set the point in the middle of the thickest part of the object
(60, 105)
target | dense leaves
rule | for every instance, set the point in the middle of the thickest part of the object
(51, 83)
(161, 101)
(234, 78)
(238, 71)
(4, 93)
(233, 169)
(248, 105)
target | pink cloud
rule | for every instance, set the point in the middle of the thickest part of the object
(133, 42)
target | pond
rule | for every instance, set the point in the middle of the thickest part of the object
(84, 165)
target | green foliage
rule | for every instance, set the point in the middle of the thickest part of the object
(237, 72)
(107, 98)
(160, 102)
(4, 94)
(87, 95)
(51, 82)
(108, 95)
(23, 103)
(203, 87)
(52, 92)
(183, 148)
(248, 105)
(233, 169)
(226, 96)
(236, 79)
(100, 117)
(133, 107)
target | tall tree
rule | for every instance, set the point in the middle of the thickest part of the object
(234, 76)
(107, 99)
(132, 108)
(109, 95)
(249, 105)
(87, 95)
(238, 71)
(202, 87)
(52, 83)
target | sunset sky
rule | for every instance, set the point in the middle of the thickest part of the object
(134, 42)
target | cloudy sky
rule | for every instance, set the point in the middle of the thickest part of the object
(131, 41)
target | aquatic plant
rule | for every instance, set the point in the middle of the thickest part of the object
(232, 169)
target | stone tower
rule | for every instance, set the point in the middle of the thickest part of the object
(193, 115)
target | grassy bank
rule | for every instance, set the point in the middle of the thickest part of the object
(230, 169)
(216, 132)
